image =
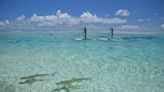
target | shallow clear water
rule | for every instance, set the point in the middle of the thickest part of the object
(128, 63)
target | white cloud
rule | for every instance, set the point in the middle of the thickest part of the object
(4, 23)
(122, 12)
(140, 20)
(114, 20)
(57, 19)
(162, 26)
(21, 18)
(87, 17)
(51, 20)
(128, 27)
(7, 22)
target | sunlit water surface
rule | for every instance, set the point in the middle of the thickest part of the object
(128, 63)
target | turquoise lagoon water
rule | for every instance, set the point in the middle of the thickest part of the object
(128, 63)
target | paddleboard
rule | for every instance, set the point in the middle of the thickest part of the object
(78, 39)
(103, 39)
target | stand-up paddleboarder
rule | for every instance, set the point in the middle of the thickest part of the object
(111, 29)
(85, 33)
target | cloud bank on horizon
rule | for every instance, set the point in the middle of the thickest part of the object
(59, 18)
(64, 19)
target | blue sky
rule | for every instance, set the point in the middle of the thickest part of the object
(122, 14)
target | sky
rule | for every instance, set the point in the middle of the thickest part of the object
(138, 15)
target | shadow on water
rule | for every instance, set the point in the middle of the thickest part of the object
(5, 87)
(67, 85)
(50, 34)
(30, 81)
(139, 38)
(16, 41)
(54, 41)
(34, 78)
(67, 89)
(30, 40)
